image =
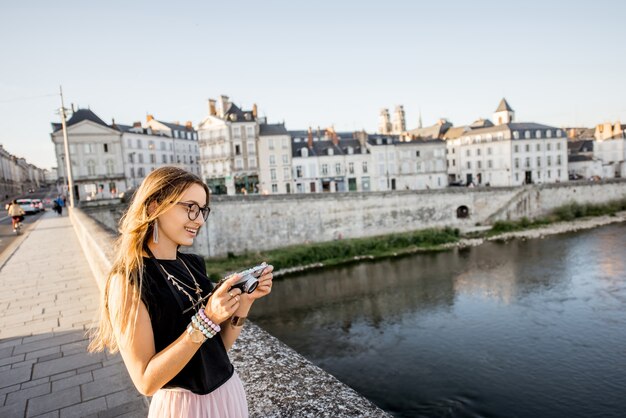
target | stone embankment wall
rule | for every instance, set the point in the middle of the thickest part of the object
(248, 223)
(279, 382)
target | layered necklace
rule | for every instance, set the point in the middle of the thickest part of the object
(178, 284)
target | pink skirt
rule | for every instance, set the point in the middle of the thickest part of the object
(229, 400)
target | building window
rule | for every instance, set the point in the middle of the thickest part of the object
(106, 147)
(164, 159)
(538, 161)
(298, 171)
(516, 148)
(558, 133)
(140, 156)
(236, 132)
(325, 169)
(479, 165)
(239, 163)
(270, 143)
(304, 152)
(537, 133)
(251, 149)
(139, 143)
(527, 147)
(469, 165)
(548, 133)
(417, 153)
(558, 146)
(364, 166)
(488, 150)
(91, 168)
(351, 168)
(237, 149)
(140, 172)
(516, 134)
(558, 160)
(152, 158)
(478, 151)
(516, 161)
(272, 160)
(285, 159)
(252, 162)
(549, 161)
(527, 134)
(273, 174)
(527, 162)
(110, 166)
(274, 188)
(467, 153)
(338, 168)
(130, 157)
(286, 173)
(548, 146)
(489, 164)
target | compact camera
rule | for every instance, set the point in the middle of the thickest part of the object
(249, 279)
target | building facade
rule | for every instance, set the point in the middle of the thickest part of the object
(275, 159)
(95, 149)
(228, 139)
(610, 148)
(508, 153)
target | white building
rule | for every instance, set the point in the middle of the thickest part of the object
(158, 144)
(275, 165)
(421, 164)
(95, 153)
(508, 153)
(610, 148)
(330, 161)
(228, 139)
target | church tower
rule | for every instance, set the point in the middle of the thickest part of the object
(503, 114)
(399, 121)
(384, 124)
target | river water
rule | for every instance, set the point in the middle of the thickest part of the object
(532, 328)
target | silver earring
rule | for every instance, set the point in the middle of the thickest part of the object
(155, 232)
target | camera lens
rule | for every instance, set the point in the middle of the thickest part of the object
(251, 285)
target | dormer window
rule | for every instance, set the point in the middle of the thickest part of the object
(232, 117)
(548, 133)
(247, 116)
(331, 151)
(515, 134)
(379, 141)
(527, 134)
(304, 152)
(537, 133)
(350, 150)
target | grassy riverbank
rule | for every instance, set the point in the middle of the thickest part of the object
(565, 213)
(349, 250)
(337, 252)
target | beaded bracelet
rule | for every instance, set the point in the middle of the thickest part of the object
(208, 333)
(207, 321)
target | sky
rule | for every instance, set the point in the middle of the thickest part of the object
(308, 63)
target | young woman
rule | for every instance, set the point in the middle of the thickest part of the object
(16, 213)
(174, 346)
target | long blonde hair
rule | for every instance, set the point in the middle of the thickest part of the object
(160, 190)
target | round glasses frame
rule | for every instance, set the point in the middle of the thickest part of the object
(194, 209)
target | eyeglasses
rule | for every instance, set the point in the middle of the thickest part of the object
(193, 210)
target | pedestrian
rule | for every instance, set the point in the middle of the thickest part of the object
(179, 358)
(16, 213)
(58, 205)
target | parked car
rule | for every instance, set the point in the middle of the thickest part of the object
(27, 205)
(39, 204)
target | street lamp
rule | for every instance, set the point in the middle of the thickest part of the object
(68, 162)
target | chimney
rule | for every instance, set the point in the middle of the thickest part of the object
(149, 118)
(224, 105)
(136, 124)
(73, 108)
(310, 138)
(188, 125)
(254, 110)
(212, 110)
(113, 122)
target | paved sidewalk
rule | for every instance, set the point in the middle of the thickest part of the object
(48, 299)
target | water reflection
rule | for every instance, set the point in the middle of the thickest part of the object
(524, 328)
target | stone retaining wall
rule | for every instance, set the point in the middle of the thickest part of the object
(279, 382)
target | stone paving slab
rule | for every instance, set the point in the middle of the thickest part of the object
(49, 297)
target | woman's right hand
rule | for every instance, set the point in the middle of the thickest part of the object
(223, 303)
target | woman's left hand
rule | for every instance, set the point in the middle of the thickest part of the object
(265, 284)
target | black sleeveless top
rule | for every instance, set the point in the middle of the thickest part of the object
(210, 367)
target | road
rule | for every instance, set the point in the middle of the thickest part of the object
(6, 230)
